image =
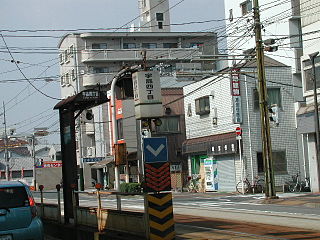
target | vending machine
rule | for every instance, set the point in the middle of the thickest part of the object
(210, 176)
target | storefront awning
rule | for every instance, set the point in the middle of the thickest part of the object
(214, 144)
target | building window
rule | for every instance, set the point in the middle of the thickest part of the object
(100, 70)
(149, 45)
(120, 128)
(61, 58)
(62, 81)
(195, 165)
(196, 45)
(246, 7)
(202, 105)
(170, 45)
(66, 56)
(99, 46)
(279, 162)
(274, 97)
(73, 75)
(308, 75)
(160, 25)
(67, 80)
(169, 125)
(71, 51)
(189, 113)
(129, 45)
(159, 16)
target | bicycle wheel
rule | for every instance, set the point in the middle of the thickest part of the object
(245, 187)
(260, 186)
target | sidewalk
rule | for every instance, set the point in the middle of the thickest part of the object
(200, 228)
(311, 200)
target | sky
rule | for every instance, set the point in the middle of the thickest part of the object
(36, 55)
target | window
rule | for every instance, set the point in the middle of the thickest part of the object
(279, 162)
(120, 128)
(149, 45)
(100, 70)
(67, 80)
(71, 51)
(13, 197)
(66, 55)
(189, 113)
(230, 15)
(169, 125)
(195, 165)
(62, 81)
(61, 58)
(202, 105)
(308, 75)
(196, 45)
(159, 16)
(160, 25)
(274, 97)
(170, 45)
(129, 45)
(73, 75)
(99, 46)
(246, 7)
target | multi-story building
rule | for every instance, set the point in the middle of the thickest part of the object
(214, 108)
(280, 21)
(310, 21)
(89, 60)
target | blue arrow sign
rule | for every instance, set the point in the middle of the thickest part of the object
(155, 149)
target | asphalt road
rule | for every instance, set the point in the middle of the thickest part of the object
(246, 208)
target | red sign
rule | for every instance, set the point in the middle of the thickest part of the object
(157, 177)
(238, 131)
(235, 82)
(51, 164)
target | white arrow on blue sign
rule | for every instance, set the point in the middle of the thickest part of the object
(155, 149)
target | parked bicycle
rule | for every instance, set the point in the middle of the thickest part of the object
(193, 185)
(295, 185)
(246, 187)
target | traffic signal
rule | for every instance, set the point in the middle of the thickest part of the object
(274, 114)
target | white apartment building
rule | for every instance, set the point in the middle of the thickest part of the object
(91, 60)
(212, 115)
(280, 21)
(310, 21)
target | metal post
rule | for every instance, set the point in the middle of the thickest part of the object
(41, 200)
(241, 163)
(74, 204)
(115, 139)
(264, 114)
(316, 113)
(99, 210)
(34, 163)
(59, 203)
(6, 154)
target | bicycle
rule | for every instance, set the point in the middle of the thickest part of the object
(296, 185)
(246, 187)
(193, 185)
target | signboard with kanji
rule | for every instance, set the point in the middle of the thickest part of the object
(147, 94)
(236, 96)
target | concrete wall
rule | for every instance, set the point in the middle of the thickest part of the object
(49, 177)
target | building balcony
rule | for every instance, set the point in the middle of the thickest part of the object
(89, 128)
(154, 54)
(93, 79)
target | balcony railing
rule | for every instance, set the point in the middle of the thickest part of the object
(156, 54)
(92, 79)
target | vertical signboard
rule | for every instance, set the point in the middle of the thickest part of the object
(236, 96)
(147, 94)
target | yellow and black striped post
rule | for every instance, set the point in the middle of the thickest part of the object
(160, 213)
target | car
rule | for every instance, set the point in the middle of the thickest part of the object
(18, 213)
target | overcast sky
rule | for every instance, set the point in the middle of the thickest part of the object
(37, 51)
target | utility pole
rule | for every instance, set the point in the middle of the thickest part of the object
(34, 162)
(264, 114)
(6, 155)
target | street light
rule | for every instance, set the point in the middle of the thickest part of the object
(312, 57)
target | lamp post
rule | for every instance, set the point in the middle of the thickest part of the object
(312, 57)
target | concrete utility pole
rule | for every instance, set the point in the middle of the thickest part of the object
(316, 112)
(6, 155)
(264, 113)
